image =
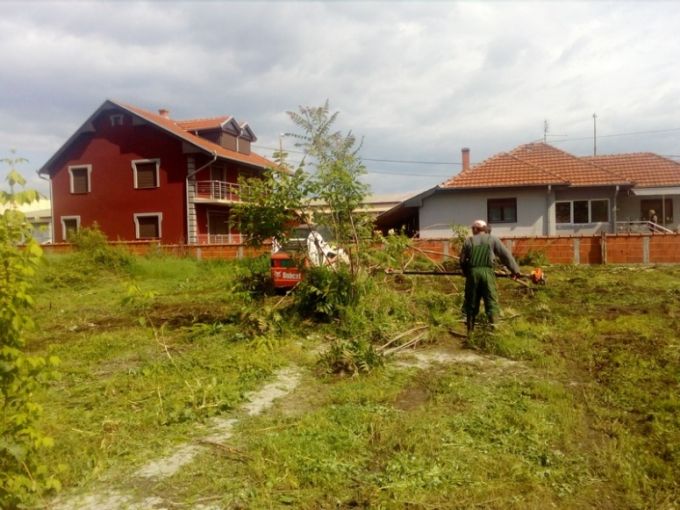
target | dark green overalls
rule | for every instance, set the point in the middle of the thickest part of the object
(480, 283)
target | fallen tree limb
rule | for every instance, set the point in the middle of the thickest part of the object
(402, 335)
(410, 343)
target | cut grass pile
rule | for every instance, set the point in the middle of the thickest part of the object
(586, 415)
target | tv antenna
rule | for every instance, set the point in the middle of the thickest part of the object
(546, 131)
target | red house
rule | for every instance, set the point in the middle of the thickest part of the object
(142, 175)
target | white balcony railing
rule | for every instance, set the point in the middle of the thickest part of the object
(220, 239)
(641, 226)
(218, 190)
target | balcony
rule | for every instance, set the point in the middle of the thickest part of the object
(640, 227)
(220, 191)
(220, 239)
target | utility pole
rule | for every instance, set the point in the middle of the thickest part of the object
(594, 134)
(545, 131)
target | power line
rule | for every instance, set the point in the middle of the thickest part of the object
(632, 133)
(417, 162)
(440, 176)
(377, 160)
(370, 171)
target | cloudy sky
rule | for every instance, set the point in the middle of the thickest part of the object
(418, 80)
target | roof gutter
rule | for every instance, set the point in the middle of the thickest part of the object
(52, 231)
(186, 188)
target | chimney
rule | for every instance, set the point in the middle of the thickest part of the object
(164, 113)
(465, 153)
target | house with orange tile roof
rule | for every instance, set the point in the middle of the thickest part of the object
(142, 175)
(539, 190)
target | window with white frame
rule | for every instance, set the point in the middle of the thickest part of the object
(80, 179)
(69, 226)
(145, 173)
(148, 225)
(116, 119)
(501, 210)
(582, 211)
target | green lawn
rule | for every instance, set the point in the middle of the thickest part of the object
(574, 402)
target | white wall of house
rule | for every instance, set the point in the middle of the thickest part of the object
(442, 210)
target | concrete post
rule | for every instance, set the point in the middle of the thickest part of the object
(577, 250)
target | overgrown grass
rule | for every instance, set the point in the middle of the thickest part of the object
(581, 411)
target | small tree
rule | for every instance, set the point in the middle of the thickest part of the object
(336, 171)
(271, 205)
(328, 175)
(21, 474)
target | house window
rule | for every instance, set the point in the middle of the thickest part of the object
(116, 119)
(148, 225)
(145, 173)
(218, 173)
(79, 179)
(501, 210)
(563, 212)
(69, 226)
(218, 227)
(599, 211)
(580, 208)
(582, 211)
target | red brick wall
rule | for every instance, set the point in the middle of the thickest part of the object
(620, 249)
(664, 248)
(625, 249)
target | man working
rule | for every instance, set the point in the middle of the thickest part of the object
(477, 260)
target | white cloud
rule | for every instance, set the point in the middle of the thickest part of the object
(419, 80)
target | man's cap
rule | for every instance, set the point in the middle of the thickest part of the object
(479, 224)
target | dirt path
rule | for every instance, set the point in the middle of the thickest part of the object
(448, 355)
(220, 429)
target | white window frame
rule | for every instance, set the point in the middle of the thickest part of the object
(502, 199)
(590, 210)
(89, 178)
(116, 119)
(159, 216)
(63, 225)
(134, 164)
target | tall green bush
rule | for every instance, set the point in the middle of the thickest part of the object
(93, 245)
(22, 476)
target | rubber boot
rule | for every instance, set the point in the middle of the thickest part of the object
(470, 322)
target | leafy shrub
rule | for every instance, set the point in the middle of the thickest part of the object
(350, 357)
(22, 475)
(253, 277)
(92, 243)
(533, 258)
(324, 293)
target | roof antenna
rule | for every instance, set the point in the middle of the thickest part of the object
(547, 133)
(594, 134)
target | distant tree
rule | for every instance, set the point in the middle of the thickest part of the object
(22, 477)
